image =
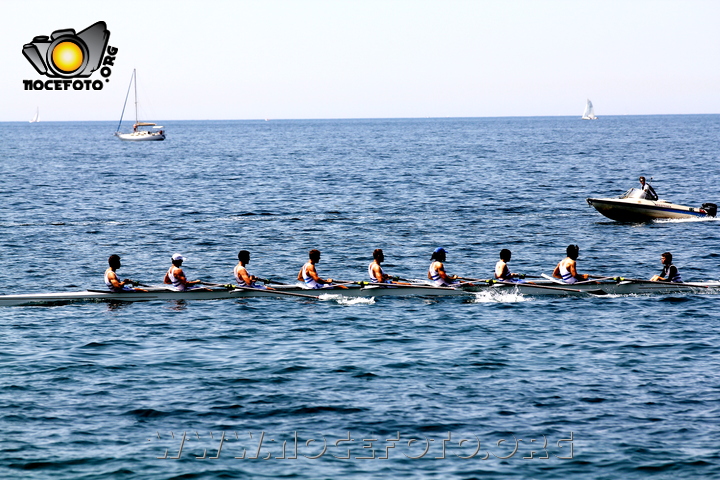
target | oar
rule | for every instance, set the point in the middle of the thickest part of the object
(641, 280)
(227, 286)
(341, 284)
(409, 281)
(396, 278)
(274, 282)
(595, 278)
(552, 279)
(468, 282)
(598, 291)
(276, 292)
(408, 285)
(475, 279)
(518, 275)
(273, 291)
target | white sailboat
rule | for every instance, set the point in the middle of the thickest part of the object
(138, 134)
(589, 113)
(35, 118)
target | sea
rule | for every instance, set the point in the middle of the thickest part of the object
(490, 386)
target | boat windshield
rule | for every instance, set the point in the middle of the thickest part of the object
(633, 193)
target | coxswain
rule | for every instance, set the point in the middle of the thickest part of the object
(669, 272)
(308, 274)
(436, 271)
(242, 277)
(648, 190)
(113, 282)
(176, 277)
(502, 272)
(567, 268)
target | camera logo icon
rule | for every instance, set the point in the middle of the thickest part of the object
(66, 54)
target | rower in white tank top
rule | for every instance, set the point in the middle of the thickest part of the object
(375, 271)
(176, 277)
(309, 275)
(242, 276)
(565, 274)
(566, 269)
(174, 280)
(109, 273)
(436, 271)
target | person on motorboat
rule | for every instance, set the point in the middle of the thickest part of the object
(242, 277)
(648, 190)
(436, 271)
(308, 273)
(669, 272)
(567, 268)
(502, 272)
(113, 281)
(176, 277)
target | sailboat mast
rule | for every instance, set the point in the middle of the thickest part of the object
(135, 77)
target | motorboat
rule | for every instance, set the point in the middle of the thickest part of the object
(142, 131)
(632, 206)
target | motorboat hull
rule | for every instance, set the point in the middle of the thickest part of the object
(641, 210)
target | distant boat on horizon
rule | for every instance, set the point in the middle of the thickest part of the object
(589, 113)
(35, 118)
(138, 134)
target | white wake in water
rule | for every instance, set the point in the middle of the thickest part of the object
(343, 300)
(687, 220)
(500, 297)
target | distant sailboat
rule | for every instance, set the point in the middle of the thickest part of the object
(589, 113)
(35, 118)
(138, 134)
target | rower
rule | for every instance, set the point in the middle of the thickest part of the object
(669, 272)
(436, 271)
(567, 268)
(176, 276)
(309, 275)
(242, 277)
(502, 272)
(113, 282)
(375, 271)
(648, 190)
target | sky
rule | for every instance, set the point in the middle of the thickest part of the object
(306, 59)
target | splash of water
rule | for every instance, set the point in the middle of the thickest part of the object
(343, 300)
(489, 296)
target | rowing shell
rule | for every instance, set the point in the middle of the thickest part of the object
(603, 287)
(216, 294)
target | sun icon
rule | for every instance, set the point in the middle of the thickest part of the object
(67, 56)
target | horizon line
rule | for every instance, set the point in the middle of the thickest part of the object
(375, 118)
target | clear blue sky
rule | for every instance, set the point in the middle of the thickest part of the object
(256, 59)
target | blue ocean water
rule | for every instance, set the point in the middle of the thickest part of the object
(611, 387)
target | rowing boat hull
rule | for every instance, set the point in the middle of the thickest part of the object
(539, 288)
(611, 287)
(214, 294)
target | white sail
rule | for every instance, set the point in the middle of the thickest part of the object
(35, 118)
(589, 113)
